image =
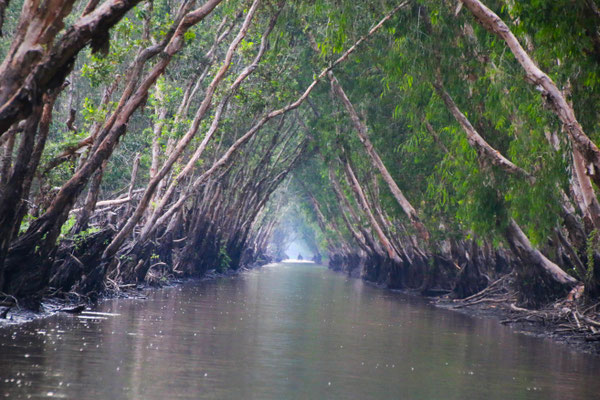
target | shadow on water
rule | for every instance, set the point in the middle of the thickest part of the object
(286, 331)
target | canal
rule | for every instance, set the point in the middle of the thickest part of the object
(285, 331)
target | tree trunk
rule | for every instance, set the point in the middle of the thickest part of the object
(13, 190)
(553, 280)
(8, 148)
(540, 279)
(90, 201)
(555, 98)
(347, 212)
(47, 227)
(361, 130)
(385, 242)
(483, 149)
(114, 246)
(29, 71)
(588, 203)
(262, 121)
(36, 155)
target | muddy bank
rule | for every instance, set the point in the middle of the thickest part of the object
(79, 275)
(15, 314)
(471, 290)
(556, 322)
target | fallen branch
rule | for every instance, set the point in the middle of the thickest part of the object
(4, 313)
(73, 310)
(110, 203)
(500, 300)
(13, 298)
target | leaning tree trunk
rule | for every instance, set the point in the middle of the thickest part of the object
(383, 239)
(90, 201)
(543, 83)
(588, 202)
(186, 171)
(540, 279)
(347, 212)
(43, 232)
(114, 246)
(217, 165)
(361, 130)
(35, 64)
(7, 156)
(36, 155)
(13, 190)
(537, 272)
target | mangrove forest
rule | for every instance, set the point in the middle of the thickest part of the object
(441, 154)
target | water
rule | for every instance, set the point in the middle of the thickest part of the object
(285, 332)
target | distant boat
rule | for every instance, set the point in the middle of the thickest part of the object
(297, 261)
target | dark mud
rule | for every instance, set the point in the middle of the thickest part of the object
(17, 314)
(553, 323)
(571, 322)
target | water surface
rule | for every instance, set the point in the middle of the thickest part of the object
(288, 331)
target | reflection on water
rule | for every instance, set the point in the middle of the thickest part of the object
(285, 332)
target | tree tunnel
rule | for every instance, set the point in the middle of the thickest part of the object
(398, 142)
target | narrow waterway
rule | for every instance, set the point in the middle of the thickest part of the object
(288, 331)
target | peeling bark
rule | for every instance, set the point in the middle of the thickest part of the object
(588, 202)
(28, 71)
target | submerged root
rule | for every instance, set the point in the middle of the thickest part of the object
(569, 318)
(500, 291)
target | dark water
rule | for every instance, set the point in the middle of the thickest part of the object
(285, 332)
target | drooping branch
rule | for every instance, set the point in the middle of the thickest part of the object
(543, 83)
(361, 130)
(183, 143)
(262, 121)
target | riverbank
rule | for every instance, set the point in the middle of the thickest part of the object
(566, 322)
(561, 322)
(13, 315)
(569, 322)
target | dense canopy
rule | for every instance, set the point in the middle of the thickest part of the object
(437, 145)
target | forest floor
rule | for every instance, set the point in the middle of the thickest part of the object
(569, 321)
(51, 304)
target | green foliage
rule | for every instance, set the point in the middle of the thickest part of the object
(82, 236)
(224, 261)
(67, 226)
(388, 80)
(591, 246)
(25, 223)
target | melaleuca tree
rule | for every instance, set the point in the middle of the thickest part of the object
(402, 129)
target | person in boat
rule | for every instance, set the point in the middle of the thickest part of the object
(300, 257)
